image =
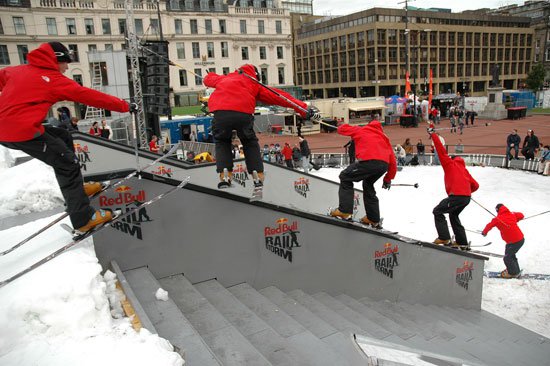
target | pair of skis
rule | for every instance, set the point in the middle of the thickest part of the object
(522, 276)
(257, 191)
(93, 231)
(106, 186)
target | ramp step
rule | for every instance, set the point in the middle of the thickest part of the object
(343, 344)
(322, 311)
(230, 346)
(353, 316)
(319, 353)
(278, 350)
(168, 320)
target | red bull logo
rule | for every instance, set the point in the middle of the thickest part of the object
(282, 239)
(385, 260)
(282, 227)
(162, 170)
(301, 186)
(240, 175)
(464, 274)
(125, 196)
(78, 148)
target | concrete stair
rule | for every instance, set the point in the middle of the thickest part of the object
(240, 325)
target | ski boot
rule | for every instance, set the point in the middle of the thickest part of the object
(505, 274)
(340, 215)
(257, 192)
(456, 245)
(91, 188)
(446, 242)
(366, 221)
(100, 217)
(225, 179)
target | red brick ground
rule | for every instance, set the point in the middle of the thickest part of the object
(486, 137)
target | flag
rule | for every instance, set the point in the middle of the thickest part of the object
(407, 84)
(430, 92)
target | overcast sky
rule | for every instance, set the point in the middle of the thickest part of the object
(343, 7)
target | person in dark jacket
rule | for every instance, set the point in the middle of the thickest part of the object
(350, 148)
(459, 185)
(22, 110)
(530, 145)
(305, 153)
(375, 158)
(506, 221)
(232, 103)
(512, 142)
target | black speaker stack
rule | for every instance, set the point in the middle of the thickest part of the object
(157, 79)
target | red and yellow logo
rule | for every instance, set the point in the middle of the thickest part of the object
(125, 196)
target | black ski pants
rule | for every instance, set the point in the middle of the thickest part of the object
(223, 124)
(369, 172)
(55, 148)
(510, 259)
(452, 205)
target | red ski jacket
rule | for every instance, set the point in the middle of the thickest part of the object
(506, 222)
(28, 92)
(236, 92)
(371, 143)
(458, 181)
(287, 152)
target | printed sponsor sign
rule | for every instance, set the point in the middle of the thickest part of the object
(301, 186)
(282, 238)
(385, 261)
(240, 175)
(463, 274)
(83, 154)
(162, 170)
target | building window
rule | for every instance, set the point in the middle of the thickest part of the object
(198, 77)
(225, 70)
(261, 27)
(22, 50)
(194, 26)
(210, 49)
(1, 27)
(78, 78)
(154, 24)
(263, 53)
(109, 47)
(106, 26)
(243, 26)
(139, 27)
(223, 28)
(19, 24)
(281, 74)
(92, 48)
(278, 27)
(122, 26)
(263, 75)
(244, 53)
(89, 26)
(74, 49)
(4, 55)
(178, 25)
(280, 52)
(208, 26)
(180, 48)
(183, 77)
(196, 49)
(225, 49)
(547, 56)
(52, 26)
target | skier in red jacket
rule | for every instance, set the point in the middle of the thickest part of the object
(375, 157)
(506, 221)
(232, 103)
(287, 154)
(27, 94)
(459, 185)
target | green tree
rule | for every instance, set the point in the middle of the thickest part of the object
(535, 78)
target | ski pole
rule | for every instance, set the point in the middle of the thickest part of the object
(480, 205)
(415, 185)
(542, 213)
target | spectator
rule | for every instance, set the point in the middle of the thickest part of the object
(265, 153)
(438, 115)
(400, 155)
(236, 154)
(409, 150)
(512, 142)
(95, 130)
(544, 162)
(530, 145)
(421, 152)
(74, 124)
(454, 118)
(106, 131)
(460, 120)
(296, 155)
(63, 117)
(153, 145)
(287, 155)
(193, 136)
(473, 115)
(350, 150)
(305, 153)
(459, 147)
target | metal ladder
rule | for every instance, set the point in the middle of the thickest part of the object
(97, 84)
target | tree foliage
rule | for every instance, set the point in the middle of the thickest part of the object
(535, 78)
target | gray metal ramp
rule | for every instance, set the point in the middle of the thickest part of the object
(230, 346)
(168, 319)
(287, 327)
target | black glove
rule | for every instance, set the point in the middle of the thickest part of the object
(133, 107)
(430, 130)
(386, 185)
(484, 234)
(311, 114)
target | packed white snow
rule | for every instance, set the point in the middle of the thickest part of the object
(409, 211)
(59, 314)
(161, 294)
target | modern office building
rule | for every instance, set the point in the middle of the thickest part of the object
(365, 53)
(203, 34)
